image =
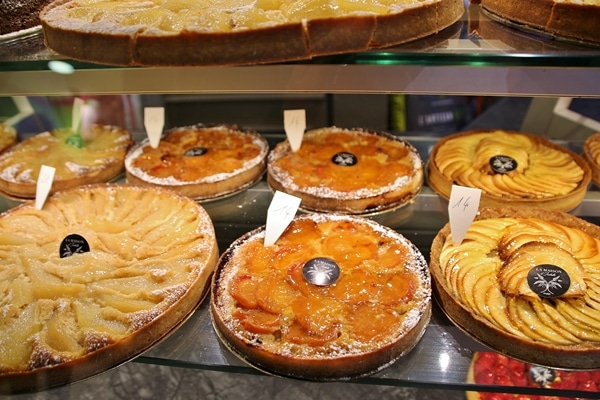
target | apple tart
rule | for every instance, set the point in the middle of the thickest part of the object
(591, 153)
(270, 313)
(203, 162)
(511, 168)
(526, 282)
(348, 171)
(94, 278)
(94, 156)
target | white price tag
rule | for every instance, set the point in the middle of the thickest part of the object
(462, 209)
(281, 212)
(44, 184)
(76, 114)
(294, 123)
(154, 122)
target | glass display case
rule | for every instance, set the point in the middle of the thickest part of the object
(461, 60)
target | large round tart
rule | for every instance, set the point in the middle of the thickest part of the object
(271, 316)
(94, 156)
(526, 282)
(96, 277)
(203, 162)
(348, 171)
(591, 153)
(510, 168)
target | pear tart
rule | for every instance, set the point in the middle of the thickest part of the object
(200, 161)
(526, 282)
(349, 171)
(217, 32)
(511, 168)
(268, 311)
(591, 153)
(96, 155)
(97, 276)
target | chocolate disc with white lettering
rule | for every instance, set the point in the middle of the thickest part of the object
(344, 159)
(73, 244)
(195, 152)
(321, 271)
(548, 280)
(503, 164)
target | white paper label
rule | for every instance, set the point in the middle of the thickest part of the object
(462, 209)
(44, 184)
(154, 122)
(294, 122)
(76, 114)
(281, 212)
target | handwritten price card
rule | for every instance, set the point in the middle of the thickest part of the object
(294, 123)
(462, 209)
(44, 184)
(281, 212)
(154, 122)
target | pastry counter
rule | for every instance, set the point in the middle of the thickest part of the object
(460, 60)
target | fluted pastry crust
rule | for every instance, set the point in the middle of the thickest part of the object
(98, 159)
(481, 284)
(229, 159)
(546, 174)
(591, 153)
(573, 19)
(186, 32)
(388, 171)
(269, 315)
(65, 318)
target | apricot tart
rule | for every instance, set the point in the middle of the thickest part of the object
(8, 137)
(93, 156)
(266, 309)
(202, 162)
(591, 153)
(189, 32)
(350, 171)
(572, 19)
(511, 168)
(526, 282)
(94, 278)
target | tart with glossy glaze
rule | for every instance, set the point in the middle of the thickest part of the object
(188, 32)
(591, 153)
(349, 171)
(8, 137)
(511, 168)
(484, 285)
(268, 314)
(95, 156)
(200, 161)
(67, 313)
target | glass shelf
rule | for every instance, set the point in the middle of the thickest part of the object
(476, 55)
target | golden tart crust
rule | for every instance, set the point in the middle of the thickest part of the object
(99, 159)
(186, 32)
(8, 137)
(151, 255)
(226, 160)
(269, 315)
(482, 284)
(540, 173)
(349, 171)
(573, 19)
(591, 153)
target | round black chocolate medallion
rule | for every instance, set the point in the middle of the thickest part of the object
(72, 244)
(321, 271)
(548, 280)
(344, 159)
(503, 164)
(195, 152)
